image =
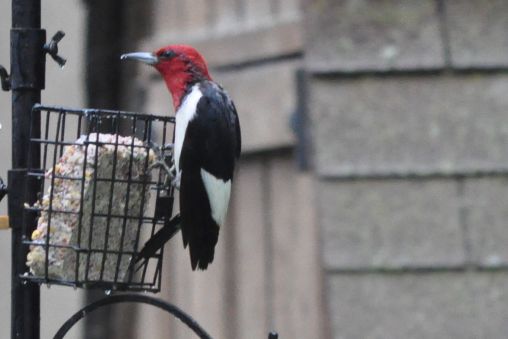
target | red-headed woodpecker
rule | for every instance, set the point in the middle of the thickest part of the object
(206, 148)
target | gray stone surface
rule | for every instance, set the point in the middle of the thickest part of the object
(239, 42)
(390, 224)
(486, 215)
(265, 98)
(434, 305)
(477, 32)
(355, 35)
(412, 123)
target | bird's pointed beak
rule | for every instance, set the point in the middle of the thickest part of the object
(147, 58)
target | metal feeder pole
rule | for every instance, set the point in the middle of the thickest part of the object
(27, 81)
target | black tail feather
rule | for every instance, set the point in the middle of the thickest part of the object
(202, 247)
(199, 230)
(159, 239)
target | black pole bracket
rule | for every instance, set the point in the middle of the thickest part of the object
(27, 58)
(5, 79)
(51, 48)
(16, 178)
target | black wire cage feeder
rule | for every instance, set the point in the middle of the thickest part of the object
(100, 196)
(87, 191)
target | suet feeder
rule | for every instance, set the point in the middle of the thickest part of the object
(99, 197)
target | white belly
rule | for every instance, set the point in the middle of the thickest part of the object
(184, 115)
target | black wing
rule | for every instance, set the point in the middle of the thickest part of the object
(212, 142)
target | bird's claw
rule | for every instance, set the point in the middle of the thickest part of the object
(161, 150)
(175, 176)
(175, 181)
(164, 153)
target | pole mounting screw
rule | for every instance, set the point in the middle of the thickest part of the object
(5, 79)
(51, 48)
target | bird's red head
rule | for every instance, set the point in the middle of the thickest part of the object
(181, 66)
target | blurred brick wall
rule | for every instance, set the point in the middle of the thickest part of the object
(410, 126)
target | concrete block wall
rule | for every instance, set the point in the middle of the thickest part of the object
(410, 129)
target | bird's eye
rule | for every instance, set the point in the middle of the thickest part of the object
(167, 54)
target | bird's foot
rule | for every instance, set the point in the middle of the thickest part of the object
(163, 152)
(175, 180)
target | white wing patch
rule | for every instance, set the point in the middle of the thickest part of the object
(184, 115)
(218, 192)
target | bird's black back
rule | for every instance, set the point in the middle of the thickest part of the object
(212, 142)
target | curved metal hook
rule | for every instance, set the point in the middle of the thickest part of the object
(136, 298)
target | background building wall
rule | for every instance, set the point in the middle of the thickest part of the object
(63, 87)
(410, 125)
(266, 274)
(397, 229)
